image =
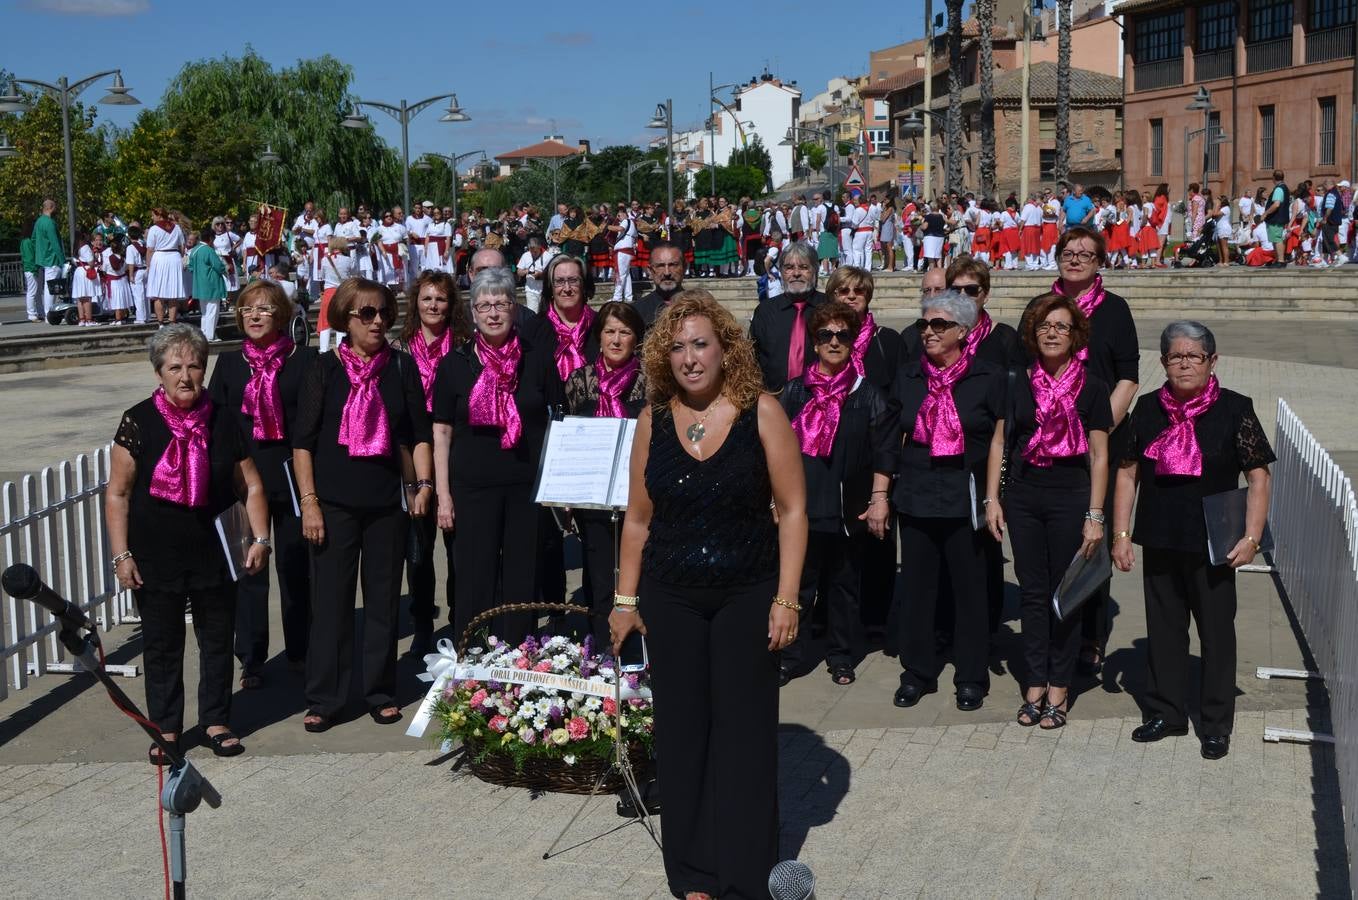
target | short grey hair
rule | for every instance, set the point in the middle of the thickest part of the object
(959, 307)
(494, 282)
(803, 251)
(1193, 331)
(172, 337)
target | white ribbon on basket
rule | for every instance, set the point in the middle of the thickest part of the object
(440, 668)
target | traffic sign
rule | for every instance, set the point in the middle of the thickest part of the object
(855, 177)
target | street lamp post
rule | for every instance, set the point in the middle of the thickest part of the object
(65, 92)
(452, 161)
(403, 114)
(640, 164)
(712, 124)
(1202, 100)
(554, 164)
(791, 139)
(912, 126)
(664, 118)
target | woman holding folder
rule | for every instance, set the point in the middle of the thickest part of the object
(1189, 440)
(1057, 422)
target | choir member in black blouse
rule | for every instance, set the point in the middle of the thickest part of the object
(440, 323)
(611, 386)
(1053, 504)
(493, 398)
(1113, 357)
(179, 461)
(949, 402)
(362, 456)
(782, 344)
(1187, 441)
(260, 384)
(846, 429)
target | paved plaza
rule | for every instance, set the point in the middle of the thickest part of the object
(881, 802)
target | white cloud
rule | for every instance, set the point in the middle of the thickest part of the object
(89, 7)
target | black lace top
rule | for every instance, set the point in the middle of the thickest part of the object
(582, 393)
(1169, 507)
(711, 523)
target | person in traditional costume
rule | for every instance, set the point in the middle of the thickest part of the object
(117, 285)
(391, 254)
(135, 257)
(165, 248)
(86, 287)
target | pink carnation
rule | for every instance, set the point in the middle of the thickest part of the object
(498, 723)
(471, 685)
(478, 699)
(578, 729)
(544, 666)
(521, 663)
(610, 706)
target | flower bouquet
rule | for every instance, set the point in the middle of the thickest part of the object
(542, 714)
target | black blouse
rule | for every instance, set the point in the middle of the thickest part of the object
(176, 547)
(365, 482)
(937, 487)
(582, 393)
(838, 487)
(1065, 472)
(886, 351)
(476, 458)
(1169, 507)
(227, 389)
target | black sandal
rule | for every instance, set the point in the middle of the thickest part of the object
(157, 756)
(323, 723)
(219, 745)
(1056, 714)
(1030, 709)
(382, 718)
(843, 674)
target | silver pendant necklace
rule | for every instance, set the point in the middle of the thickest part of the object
(697, 431)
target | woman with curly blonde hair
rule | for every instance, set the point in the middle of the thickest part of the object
(712, 551)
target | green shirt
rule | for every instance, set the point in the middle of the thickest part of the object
(209, 273)
(27, 255)
(47, 243)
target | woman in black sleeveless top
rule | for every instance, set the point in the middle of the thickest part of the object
(715, 537)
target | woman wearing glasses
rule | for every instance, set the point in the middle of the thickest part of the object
(949, 402)
(1189, 440)
(1053, 503)
(1112, 357)
(362, 457)
(260, 384)
(492, 397)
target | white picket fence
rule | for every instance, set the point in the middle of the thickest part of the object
(54, 522)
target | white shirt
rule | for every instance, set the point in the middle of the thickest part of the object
(1223, 224)
(627, 238)
(307, 228)
(418, 227)
(134, 258)
(158, 238)
(107, 265)
(335, 268)
(1260, 235)
(392, 234)
(1031, 214)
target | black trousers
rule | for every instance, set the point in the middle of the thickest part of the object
(551, 558)
(421, 578)
(925, 544)
(497, 543)
(718, 758)
(163, 633)
(834, 571)
(292, 563)
(1178, 584)
(597, 537)
(879, 579)
(372, 541)
(1046, 529)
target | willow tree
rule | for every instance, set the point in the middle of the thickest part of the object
(953, 131)
(985, 21)
(37, 171)
(1061, 168)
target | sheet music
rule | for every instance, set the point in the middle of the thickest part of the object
(578, 462)
(622, 466)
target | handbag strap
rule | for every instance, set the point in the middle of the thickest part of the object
(1010, 411)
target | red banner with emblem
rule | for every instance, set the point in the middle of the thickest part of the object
(269, 228)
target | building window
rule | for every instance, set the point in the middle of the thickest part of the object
(1046, 124)
(1213, 146)
(1326, 155)
(1046, 164)
(1216, 26)
(1331, 13)
(1266, 121)
(880, 139)
(1161, 37)
(1157, 146)
(1270, 20)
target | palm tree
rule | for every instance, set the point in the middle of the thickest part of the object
(1061, 170)
(985, 20)
(954, 121)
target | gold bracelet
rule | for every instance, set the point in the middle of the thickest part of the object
(305, 497)
(794, 606)
(624, 600)
(1257, 545)
(1122, 534)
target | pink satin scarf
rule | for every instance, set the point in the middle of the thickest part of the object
(363, 426)
(1059, 432)
(1176, 450)
(937, 423)
(614, 384)
(860, 344)
(181, 475)
(262, 401)
(984, 325)
(570, 340)
(1089, 303)
(427, 358)
(818, 421)
(491, 401)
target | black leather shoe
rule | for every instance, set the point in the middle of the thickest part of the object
(1155, 730)
(909, 694)
(970, 698)
(1215, 746)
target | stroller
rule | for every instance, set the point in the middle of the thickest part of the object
(1202, 253)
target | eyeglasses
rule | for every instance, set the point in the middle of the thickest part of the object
(368, 314)
(1176, 359)
(938, 326)
(266, 310)
(826, 335)
(1080, 256)
(499, 306)
(971, 290)
(567, 282)
(1061, 328)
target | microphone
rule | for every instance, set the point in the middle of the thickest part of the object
(791, 879)
(21, 581)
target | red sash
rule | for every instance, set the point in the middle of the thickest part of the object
(394, 252)
(440, 242)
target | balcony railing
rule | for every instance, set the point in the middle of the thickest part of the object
(1265, 56)
(1214, 64)
(1164, 73)
(1332, 43)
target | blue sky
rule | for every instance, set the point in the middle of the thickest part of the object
(515, 67)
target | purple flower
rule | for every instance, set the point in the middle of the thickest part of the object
(633, 680)
(587, 649)
(494, 686)
(554, 713)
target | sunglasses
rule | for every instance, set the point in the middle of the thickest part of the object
(938, 326)
(971, 290)
(826, 335)
(368, 314)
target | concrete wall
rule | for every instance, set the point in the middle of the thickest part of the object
(1095, 45)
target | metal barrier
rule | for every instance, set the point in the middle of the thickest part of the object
(54, 521)
(1315, 531)
(11, 274)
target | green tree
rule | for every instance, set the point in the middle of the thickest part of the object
(753, 154)
(734, 182)
(37, 171)
(814, 155)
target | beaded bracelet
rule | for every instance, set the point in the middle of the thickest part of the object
(126, 554)
(794, 606)
(624, 600)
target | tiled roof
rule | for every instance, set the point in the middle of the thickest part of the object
(972, 28)
(1128, 6)
(540, 150)
(894, 83)
(1086, 87)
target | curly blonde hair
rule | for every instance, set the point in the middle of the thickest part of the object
(742, 383)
